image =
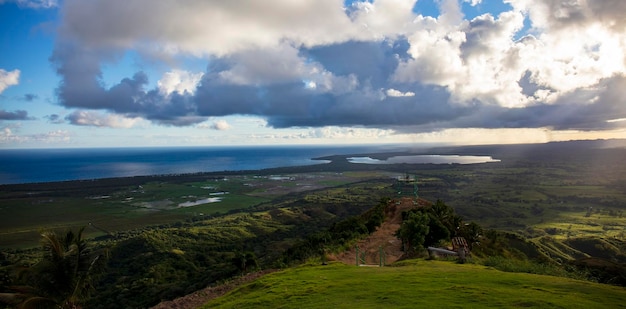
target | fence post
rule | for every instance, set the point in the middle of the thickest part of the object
(357, 255)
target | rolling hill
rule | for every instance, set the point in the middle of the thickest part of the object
(416, 284)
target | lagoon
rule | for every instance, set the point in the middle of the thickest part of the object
(425, 159)
(200, 202)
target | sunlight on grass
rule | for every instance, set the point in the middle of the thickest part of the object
(416, 284)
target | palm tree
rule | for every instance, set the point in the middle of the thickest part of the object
(64, 277)
(244, 261)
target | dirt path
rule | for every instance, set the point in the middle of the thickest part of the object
(383, 237)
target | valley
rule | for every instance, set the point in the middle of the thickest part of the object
(558, 204)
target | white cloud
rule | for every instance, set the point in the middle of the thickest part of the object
(265, 66)
(219, 125)
(472, 59)
(6, 134)
(179, 81)
(479, 60)
(397, 93)
(95, 119)
(52, 136)
(383, 18)
(435, 53)
(348, 134)
(8, 78)
(236, 25)
(473, 2)
(559, 15)
(283, 64)
(34, 4)
(580, 42)
(10, 135)
(220, 28)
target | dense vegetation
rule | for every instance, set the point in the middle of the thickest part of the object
(555, 209)
(337, 236)
(433, 226)
(151, 264)
(62, 278)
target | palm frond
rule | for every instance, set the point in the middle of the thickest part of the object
(65, 275)
(38, 302)
(11, 298)
(51, 245)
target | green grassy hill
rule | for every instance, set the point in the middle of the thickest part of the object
(417, 284)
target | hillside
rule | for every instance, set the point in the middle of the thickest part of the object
(401, 284)
(384, 237)
(416, 284)
(553, 210)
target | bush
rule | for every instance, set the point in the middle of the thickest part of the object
(531, 267)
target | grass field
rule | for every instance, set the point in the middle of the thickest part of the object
(23, 214)
(417, 284)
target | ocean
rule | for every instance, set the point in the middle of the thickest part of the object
(48, 165)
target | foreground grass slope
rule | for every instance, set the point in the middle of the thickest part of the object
(417, 284)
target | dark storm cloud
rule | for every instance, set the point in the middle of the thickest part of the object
(372, 109)
(283, 104)
(371, 62)
(479, 33)
(571, 112)
(608, 102)
(564, 14)
(80, 72)
(54, 118)
(82, 88)
(306, 77)
(15, 115)
(29, 97)
(530, 87)
(291, 104)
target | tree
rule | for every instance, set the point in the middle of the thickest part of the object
(318, 241)
(413, 231)
(446, 215)
(437, 231)
(64, 277)
(472, 232)
(245, 261)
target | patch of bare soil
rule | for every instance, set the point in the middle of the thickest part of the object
(199, 298)
(383, 238)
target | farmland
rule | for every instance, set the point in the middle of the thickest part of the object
(145, 201)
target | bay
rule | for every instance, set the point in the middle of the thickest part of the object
(48, 165)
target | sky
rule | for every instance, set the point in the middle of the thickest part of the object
(126, 73)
